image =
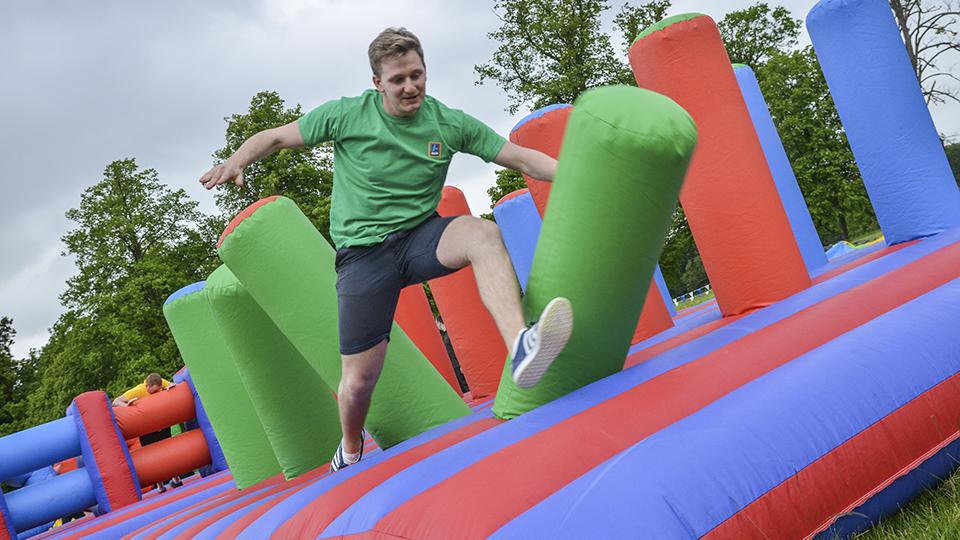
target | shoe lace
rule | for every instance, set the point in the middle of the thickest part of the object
(531, 337)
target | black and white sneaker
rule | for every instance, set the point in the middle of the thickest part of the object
(339, 461)
(537, 346)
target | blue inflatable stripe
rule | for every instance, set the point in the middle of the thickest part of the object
(135, 522)
(811, 249)
(848, 258)
(264, 526)
(538, 113)
(519, 223)
(133, 508)
(43, 502)
(37, 447)
(886, 119)
(761, 434)
(214, 530)
(892, 498)
(217, 460)
(188, 290)
(367, 511)
(680, 326)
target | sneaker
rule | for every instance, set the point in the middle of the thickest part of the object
(161, 488)
(537, 346)
(339, 461)
(176, 482)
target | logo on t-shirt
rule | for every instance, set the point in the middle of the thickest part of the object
(434, 149)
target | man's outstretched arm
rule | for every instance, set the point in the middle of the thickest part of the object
(530, 162)
(253, 149)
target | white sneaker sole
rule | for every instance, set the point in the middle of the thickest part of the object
(556, 325)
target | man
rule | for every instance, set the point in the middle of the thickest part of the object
(151, 385)
(392, 148)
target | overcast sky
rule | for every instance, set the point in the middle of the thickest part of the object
(86, 83)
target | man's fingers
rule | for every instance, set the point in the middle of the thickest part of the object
(239, 179)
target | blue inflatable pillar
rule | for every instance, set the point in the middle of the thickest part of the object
(664, 291)
(520, 223)
(883, 111)
(811, 249)
(217, 461)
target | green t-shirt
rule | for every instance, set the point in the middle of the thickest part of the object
(388, 172)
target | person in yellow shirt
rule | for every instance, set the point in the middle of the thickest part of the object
(151, 385)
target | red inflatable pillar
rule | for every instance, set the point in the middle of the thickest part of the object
(416, 319)
(543, 130)
(104, 452)
(729, 196)
(473, 333)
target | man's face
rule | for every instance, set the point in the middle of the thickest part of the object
(153, 388)
(402, 82)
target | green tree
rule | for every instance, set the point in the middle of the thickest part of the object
(550, 51)
(755, 34)
(953, 156)
(304, 175)
(8, 369)
(813, 137)
(135, 241)
(631, 20)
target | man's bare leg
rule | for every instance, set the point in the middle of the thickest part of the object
(477, 242)
(360, 374)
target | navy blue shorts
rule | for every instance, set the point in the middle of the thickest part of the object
(369, 279)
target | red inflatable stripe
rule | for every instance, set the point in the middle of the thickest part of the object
(108, 449)
(811, 500)
(499, 492)
(108, 520)
(223, 499)
(312, 519)
(862, 261)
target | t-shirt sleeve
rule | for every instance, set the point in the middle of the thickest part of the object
(165, 384)
(479, 139)
(321, 124)
(134, 392)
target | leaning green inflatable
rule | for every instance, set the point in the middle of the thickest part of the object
(618, 179)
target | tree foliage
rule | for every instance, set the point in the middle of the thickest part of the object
(930, 30)
(304, 175)
(953, 156)
(755, 34)
(813, 137)
(551, 51)
(135, 241)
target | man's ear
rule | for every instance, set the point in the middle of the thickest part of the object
(376, 84)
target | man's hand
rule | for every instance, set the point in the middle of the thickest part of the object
(253, 149)
(221, 174)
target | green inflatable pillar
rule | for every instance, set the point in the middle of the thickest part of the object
(620, 169)
(235, 422)
(297, 409)
(289, 270)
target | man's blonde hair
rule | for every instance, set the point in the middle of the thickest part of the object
(392, 43)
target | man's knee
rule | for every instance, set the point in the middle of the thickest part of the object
(487, 234)
(358, 384)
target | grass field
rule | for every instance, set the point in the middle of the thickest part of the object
(935, 515)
